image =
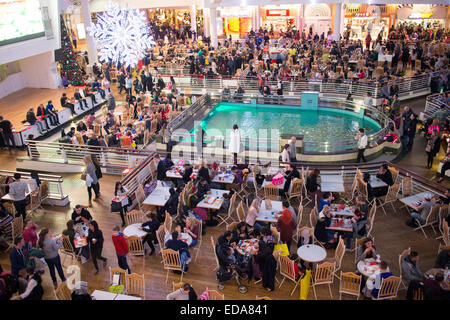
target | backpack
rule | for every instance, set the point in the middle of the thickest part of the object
(10, 283)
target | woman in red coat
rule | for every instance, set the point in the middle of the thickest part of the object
(286, 224)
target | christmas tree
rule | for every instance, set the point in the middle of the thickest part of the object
(69, 66)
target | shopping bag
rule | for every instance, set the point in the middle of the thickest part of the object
(283, 247)
(116, 289)
(305, 284)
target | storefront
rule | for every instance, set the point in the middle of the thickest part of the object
(359, 19)
(175, 17)
(317, 18)
(429, 16)
(277, 18)
(235, 21)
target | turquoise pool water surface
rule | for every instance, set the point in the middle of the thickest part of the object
(324, 125)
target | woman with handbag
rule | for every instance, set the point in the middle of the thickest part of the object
(90, 177)
(98, 170)
(121, 192)
(432, 148)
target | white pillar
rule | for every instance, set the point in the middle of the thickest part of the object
(213, 26)
(337, 21)
(193, 19)
(90, 44)
(300, 18)
(206, 23)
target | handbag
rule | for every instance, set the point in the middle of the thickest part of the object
(116, 206)
(428, 148)
(83, 176)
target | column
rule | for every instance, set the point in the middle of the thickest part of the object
(206, 23)
(337, 21)
(193, 19)
(256, 19)
(213, 26)
(90, 44)
(300, 18)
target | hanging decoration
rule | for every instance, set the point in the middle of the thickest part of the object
(122, 35)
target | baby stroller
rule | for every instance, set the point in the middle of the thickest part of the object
(237, 271)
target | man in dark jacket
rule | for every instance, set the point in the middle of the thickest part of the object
(443, 260)
(161, 170)
(31, 119)
(80, 215)
(178, 245)
(65, 104)
(80, 99)
(150, 226)
(412, 130)
(18, 256)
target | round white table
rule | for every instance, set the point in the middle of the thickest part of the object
(311, 253)
(133, 230)
(184, 236)
(82, 229)
(367, 273)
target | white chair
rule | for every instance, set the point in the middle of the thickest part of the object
(431, 219)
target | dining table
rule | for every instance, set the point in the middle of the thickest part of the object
(368, 267)
(312, 253)
(341, 224)
(270, 214)
(158, 197)
(332, 183)
(185, 237)
(133, 230)
(416, 200)
(377, 182)
(211, 202)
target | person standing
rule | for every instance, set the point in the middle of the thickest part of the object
(128, 85)
(18, 256)
(120, 191)
(235, 142)
(412, 130)
(121, 246)
(293, 151)
(50, 247)
(406, 121)
(91, 179)
(362, 145)
(286, 224)
(95, 240)
(6, 130)
(432, 148)
(18, 192)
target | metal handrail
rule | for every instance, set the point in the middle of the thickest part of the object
(432, 105)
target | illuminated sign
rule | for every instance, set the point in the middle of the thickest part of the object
(277, 13)
(418, 15)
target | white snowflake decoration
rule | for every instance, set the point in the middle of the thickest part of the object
(121, 35)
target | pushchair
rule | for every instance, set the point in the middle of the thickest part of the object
(238, 271)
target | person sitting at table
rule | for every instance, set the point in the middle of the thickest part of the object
(421, 213)
(225, 239)
(109, 122)
(70, 232)
(238, 178)
(385, 175)
(160, 169)
(290, 174)
(373, 283)
(80, 215)
(225, 204)
(186, 292)
(130, 128)
(312, 187)
(168, 161)
(188, 170)
(150, 226)
(443, 259)
(192, 230)
(81, 292)
(326, 199)
(81, 126)
(171, 204)
(253, 214)
(90, 119)
(240, 233)
(432, 288)
(410, 268)
(258, 175)
(34, 290)
(203, 172)
(179, 245)
(203, 188)
(286, 224)
(371, 193)
(367, 250)
(360, 213)
(320, 231)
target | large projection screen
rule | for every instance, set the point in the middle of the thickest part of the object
(20, 20)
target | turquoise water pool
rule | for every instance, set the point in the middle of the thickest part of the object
(323, 125)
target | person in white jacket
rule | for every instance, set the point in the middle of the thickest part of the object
(235, 142)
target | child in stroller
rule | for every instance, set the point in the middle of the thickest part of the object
(232, 265)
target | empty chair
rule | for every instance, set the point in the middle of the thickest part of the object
(63, 292)
(295, 191)
(350, 284)
(168, 223)
(136, 247)
(323, 275)
(390, 197)
(135, 285)
(287, 270)
(134, 216)
(229, 217)
(271, 192)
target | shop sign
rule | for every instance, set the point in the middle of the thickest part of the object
(277, 13)
(420, 15)
(235, 13)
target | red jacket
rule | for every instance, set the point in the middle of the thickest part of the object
(120, 244)
(286, 230)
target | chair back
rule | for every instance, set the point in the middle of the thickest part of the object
(176, 285)
(445, 235)
(240, 211)
(362, 187)
(135, 246)
(134, 216)
(418, 294)
(140, 195)
(232, 225)
(271, 192)
(372, 211)
(299, 214)
(275, 234)
(171, 259)
(287, 267)
(213, 244)
(44, 190)
(35, 201)
(168, 223)
(63, 292)
(67, 245)
(300, 231)
(359, 174)
(355, 184)
(394, 174)
(263, 298)
(214, 295)
(392, 193)
(161, 235)
(433, 216)
(199, 228)
(407, 187)
(313, 218)
(17, 227)
(339, 253)
(97, 129)
(296, 188)
(119, 271)
(135, 285)
(350, 283)
(79, 138)
(324, 273)
(401, 256)
(389, 287)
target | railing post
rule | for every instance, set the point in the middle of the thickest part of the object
(64, 154)
(61, 194)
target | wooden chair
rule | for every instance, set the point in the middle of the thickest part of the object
(295, 191)
(362, 188)
(63, 292)
(200, 237)
(271, 192)
(276, 234)
(161, 235)
(394, 174)
(445, 236)
(349, 192)
(79, 138)
(389, 288)
(67, 249)
(217, 266)
(407, 187)
(443, 213)
(17, 228)
(400, 259)
(172, 261)
(97, 129)
(229, 217)
(338, 255)
(390, 197)
(44, 191)
(136, 247)
(359, 243)
(176, 285)
(257, 189)
(135, 285)
(240, 211)
(35, 201)
(214, 295)
(313, 218)
(168, 223)
(242, 191)
(431, 219)
(298, 222)
(300, 231)
(140, 198)
(125, 142)
(371, 219)
(350, 284)
(323, 275)
(122, 274)
(287, 270)
(418, 294)
(232, 225)
(134, 216)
